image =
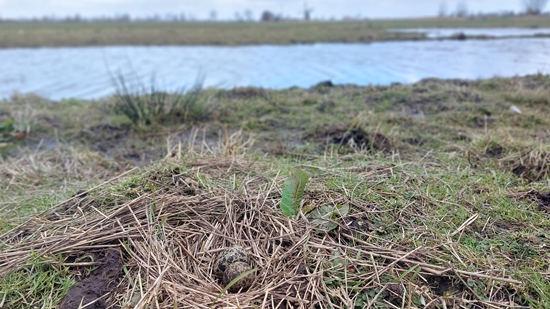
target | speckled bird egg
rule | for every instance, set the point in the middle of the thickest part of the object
(233, 271)
(229, 256)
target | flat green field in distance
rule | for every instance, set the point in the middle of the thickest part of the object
(234, 33)
(430, 194)
(196, 33)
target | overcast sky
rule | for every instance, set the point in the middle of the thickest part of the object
(227, 9)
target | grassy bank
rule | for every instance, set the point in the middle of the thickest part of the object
(197, 33)
(231, 33)
(447, 190)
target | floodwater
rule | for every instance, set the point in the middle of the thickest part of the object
(87, 72)
(436, 33)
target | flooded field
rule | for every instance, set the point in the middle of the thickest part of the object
(87, 72)
(435, 33)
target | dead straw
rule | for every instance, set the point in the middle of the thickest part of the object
(170, 239)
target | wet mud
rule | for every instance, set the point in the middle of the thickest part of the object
(95, 289)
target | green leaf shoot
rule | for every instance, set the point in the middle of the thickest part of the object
(293, 193)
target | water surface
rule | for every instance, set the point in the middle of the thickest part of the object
(85, 72)
(435, 33)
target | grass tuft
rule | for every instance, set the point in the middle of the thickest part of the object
(150, 105)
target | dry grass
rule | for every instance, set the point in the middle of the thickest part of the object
(36, 179)
(531, 164)
(171, 232)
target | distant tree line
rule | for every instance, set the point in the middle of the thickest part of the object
(530, 7)
(118, 18)
(245, 16)
(534, 7)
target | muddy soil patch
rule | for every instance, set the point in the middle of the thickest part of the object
(442, 285)
(541, 199)
(354, 138)
(494, 150)
(544, 202)
(95, 288)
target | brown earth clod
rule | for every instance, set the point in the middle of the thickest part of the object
(95, 288)
(542, 199)
(355, 138)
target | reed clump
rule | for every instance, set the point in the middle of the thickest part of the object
(146, 105)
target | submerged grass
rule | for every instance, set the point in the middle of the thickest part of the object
(447, 189)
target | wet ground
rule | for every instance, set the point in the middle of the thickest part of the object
(94, 289)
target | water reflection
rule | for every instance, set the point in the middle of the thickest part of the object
(85, 72)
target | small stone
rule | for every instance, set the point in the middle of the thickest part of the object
(515, 109)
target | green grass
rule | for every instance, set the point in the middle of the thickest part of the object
(41, 284)
(466, 181)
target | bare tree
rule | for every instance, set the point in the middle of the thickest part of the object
(461, 9)
(442, 9)
(534, 7)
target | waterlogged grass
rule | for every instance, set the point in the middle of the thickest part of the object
(442, 171)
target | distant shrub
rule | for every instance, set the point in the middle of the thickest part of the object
(268, 16)
(147, 105)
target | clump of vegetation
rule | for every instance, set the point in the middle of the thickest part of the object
(7, 130)
(40, 284)
(148, 105)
